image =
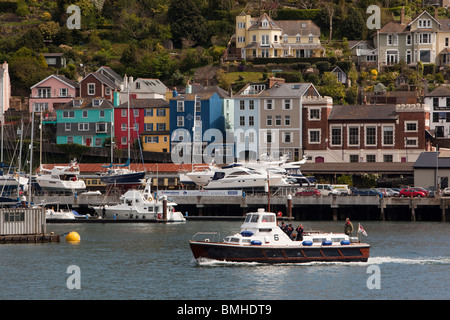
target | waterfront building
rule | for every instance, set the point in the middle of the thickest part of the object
(439, 100)
(202, 110)
(375, 133)
(267, 38)
(51, 93)
(143, 88)
(131, 117)
(156, 131)
(85, 121)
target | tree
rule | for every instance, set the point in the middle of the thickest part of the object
(186, 22)
(332, 87)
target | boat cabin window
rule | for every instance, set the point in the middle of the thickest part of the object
(319, 240)
(254, 218)
(268, 218)
(246, 241)
(337, 239)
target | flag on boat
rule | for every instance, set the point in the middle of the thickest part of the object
(361, 230)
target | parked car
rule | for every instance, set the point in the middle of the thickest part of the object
(366, 192)
(411, 192)
(308, 192)
(388, 192)
(446, 192)
(423, 190)
(326, 190)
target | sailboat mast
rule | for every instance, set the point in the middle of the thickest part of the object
(128, 113)
(31, 159)
(20, 159)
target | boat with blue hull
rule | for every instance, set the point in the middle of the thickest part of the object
(262, 240)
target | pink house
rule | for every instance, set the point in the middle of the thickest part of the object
(52, 92)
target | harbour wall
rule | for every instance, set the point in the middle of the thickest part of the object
(297, 208)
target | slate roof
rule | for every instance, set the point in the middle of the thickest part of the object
(145, 103)
(363, 112)
(358, 167)
(428, 160)
(440, 91)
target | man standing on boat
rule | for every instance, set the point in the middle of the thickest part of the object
(348, 228)
(299, 233)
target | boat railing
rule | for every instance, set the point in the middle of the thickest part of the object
(206, 237)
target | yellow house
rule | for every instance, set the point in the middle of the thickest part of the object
(156, 134)
(268, 38)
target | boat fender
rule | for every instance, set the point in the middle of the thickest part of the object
(137, 217)
(327, 243)
(307, 243)
(345, 242)
(256, 243)
(159, 216)
(246, 233)
(131, 216)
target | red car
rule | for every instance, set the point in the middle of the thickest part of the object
(411, 192)
(308, 192)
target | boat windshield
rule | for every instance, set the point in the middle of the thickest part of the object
(268, 218)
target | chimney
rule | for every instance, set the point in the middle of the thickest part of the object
(272, 81)
(436, 14)
(402, 16)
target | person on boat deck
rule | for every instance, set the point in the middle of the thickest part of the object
(299, 232)
(348, 228)
(289, 230)
(283, 226)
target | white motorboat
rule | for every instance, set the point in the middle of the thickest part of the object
(51, 214)
(240, 177)
(262, 240)
(61, 178)
(140, 205)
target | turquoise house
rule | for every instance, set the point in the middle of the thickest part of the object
(85, 121)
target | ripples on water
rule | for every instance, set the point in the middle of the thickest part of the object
(154, 261)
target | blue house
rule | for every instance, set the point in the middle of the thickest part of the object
(204, 111)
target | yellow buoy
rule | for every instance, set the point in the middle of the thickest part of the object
(73, 236)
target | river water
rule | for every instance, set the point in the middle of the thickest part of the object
(409, 260)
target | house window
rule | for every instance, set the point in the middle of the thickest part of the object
(180, 121)
(198, 106)
(241, 25)
(370, 158)
(43, 93)
(371, 136)
(67, 126)
(353, 158)
(242, 121)
(108, 91)
(160, 126)
(101, 127)
(241, 105)
(70, 139)
(314, 114)
(388, 158)
(269, 137)
(84, 114)
(91, 89)
(425, 56)
(269, 104)
(264, 53)
(410, 126)
(336, 136)
(160, 112)
(98, 142)
(353, 136)
(313, 136)
(411, 142)
(265, 40)
(63, 92)
(83, 127)
(287, 120)
(123, 127)
(101, 113)
(148, 126)
(251, 104)
(180, 106)
(287, 137)
(269, 120)
(124, 113)
(251, 120)
(68, 114)
(391, 57)
(287, 104)
(388, 135)
(408, 39)
(424, 38)
(123, 141)
(278, 120)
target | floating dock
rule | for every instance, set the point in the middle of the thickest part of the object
(30, 238)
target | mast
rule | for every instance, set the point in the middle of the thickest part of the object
(31, 159)
(128, 113)
(20, 159)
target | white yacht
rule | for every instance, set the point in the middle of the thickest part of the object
(140, 205)
(240, 177)
(61, 178)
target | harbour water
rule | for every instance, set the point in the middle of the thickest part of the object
(154, 262)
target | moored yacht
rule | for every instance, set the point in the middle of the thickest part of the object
(261, 240)
(61, 178)
(140, 205)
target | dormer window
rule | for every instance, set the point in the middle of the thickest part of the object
(265, 24)
(77, 102)
(424, 23)
(96, 102)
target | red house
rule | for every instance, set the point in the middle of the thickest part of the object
(136, 122)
